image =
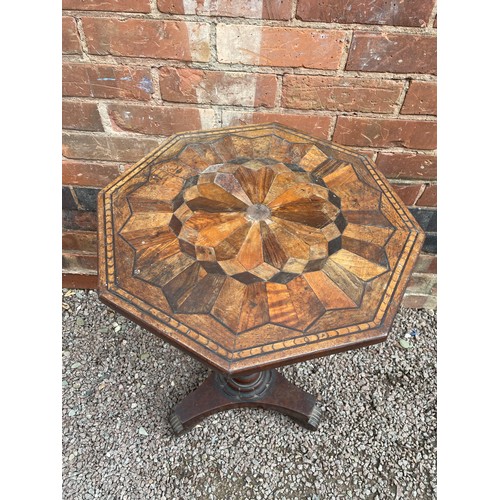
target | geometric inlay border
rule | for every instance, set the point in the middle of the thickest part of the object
(182, 330)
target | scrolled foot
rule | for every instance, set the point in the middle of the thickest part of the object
(314, 418)
(176, 423)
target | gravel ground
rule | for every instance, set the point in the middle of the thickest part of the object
(376, 440)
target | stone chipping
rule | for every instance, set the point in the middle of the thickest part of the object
(376, 439)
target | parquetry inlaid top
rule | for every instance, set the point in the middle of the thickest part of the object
(256, 246)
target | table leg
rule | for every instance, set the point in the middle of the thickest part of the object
(268, 389)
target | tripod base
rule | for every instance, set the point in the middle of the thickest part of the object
(267, 389)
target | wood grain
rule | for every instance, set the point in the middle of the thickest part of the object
(252, 247)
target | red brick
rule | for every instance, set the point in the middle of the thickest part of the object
(68, 199)
(109, 5)
(369, 153)
(73, 261)
(86, 146)
(158, 120)
(382, 132)
(89, 174)
(267, 9)
(217, 87)
(407, 192)
(420, 301)
(78, 280)
(148, 38)
(422, 283)
(429, 196)
(407, 165)
(399, 13)
(340, 94)
(397, 53)
(316, 125)
(86, 197)
(426, 263)
(79, 241)
(421, 99)
(105, 81)
(79, 220)
(81, 116)
(70, 38)
(279, 46)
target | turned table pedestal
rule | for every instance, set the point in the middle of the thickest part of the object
(251, 248)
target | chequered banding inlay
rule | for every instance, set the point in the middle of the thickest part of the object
(221, 180)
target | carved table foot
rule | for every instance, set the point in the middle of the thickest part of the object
(267, 389)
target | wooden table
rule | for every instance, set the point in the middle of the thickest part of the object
(252, 248)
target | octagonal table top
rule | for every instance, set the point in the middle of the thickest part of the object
(258, 246)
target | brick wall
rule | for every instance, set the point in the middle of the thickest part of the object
(359, 73)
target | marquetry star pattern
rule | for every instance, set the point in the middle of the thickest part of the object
(255, 242)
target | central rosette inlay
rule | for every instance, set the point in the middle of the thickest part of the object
(257, 221)
(258, 212)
